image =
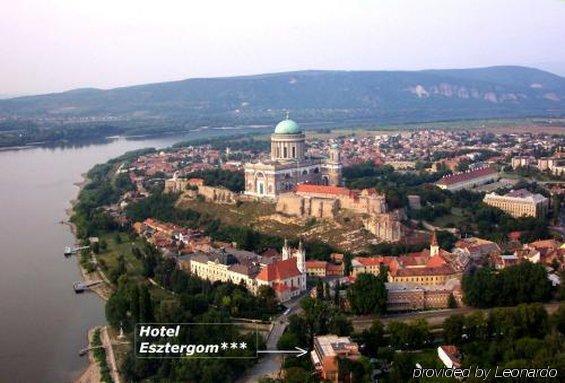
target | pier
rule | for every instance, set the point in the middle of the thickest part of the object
(72, 250)
(80, 287)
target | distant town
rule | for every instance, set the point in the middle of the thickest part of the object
(332, 232)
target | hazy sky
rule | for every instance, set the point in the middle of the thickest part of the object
(54, 45)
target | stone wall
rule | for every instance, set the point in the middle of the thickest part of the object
(218, 195)
(295, 205)
(387, 227)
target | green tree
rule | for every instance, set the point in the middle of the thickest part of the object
(367, 295)
(372, 338)
(454, 328)
(145, 305)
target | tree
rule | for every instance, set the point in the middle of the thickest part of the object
(523, 283)
(267, 298)
(451, 302)
(409, 335)
(367, 295)
(120, 269)
(117, 309)
(336, 294)
(454, 328)
(134, 304)
(145, 305)
(559, 318)
(372, 338)
(320, 289)
(340, 325)
(316, 315)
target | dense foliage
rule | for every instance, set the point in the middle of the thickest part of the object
(233, 181)
(368, 295)
(519, 337)
(523, 283)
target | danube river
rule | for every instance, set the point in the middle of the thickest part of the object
(43, 323)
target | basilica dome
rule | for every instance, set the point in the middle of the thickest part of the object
(287, 127)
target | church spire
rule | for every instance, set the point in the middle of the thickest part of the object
(434, 239)
(434, 245)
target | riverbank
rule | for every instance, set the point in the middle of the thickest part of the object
(92, 373)
(104, 290)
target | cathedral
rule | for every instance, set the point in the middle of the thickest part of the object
(289, 166)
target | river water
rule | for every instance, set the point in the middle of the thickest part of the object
(43, 323)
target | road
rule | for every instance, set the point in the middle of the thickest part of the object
(435, 318)
(270, 364)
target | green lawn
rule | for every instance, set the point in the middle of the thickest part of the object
(110, 256)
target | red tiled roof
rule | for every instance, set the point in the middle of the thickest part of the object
(544, 244)
(316, 264)
(390, 262)
(279, 270)
(322, 189)
(424, 271)
(435, 261)
(466, 176)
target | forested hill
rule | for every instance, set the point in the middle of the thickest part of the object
(383, 96)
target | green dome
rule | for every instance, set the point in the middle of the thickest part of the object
(287, 127)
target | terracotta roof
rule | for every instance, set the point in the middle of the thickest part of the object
(322, 189)
(424, 271)
(466, 176)
(435, 261)
(390, 262)
(544, 244)
(279, 270)
(316, 264)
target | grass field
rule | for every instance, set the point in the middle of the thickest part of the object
(109, 257)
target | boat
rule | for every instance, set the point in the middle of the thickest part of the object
(68, 251)
(79, 287)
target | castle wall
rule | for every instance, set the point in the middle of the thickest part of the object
(218, 195)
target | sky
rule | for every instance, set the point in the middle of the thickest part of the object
(57, 45)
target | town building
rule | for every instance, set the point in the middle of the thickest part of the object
(285, 275)
(468, 179)
(289, 166)
(477, 248)
(433, 266)
(411, 296)
(519, 203)
(323, 269)
(328, 349)
(449, 355)
(522, 161)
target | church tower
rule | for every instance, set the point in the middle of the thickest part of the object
(333, 166)
(286, 251)
(300, 256)
(434, 246)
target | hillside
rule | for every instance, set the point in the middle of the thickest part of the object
(317, 96)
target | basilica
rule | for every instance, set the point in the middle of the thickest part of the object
(289, 166)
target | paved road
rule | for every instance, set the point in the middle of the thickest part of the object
(270, 364)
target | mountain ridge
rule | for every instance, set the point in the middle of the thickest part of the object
(388, 96)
